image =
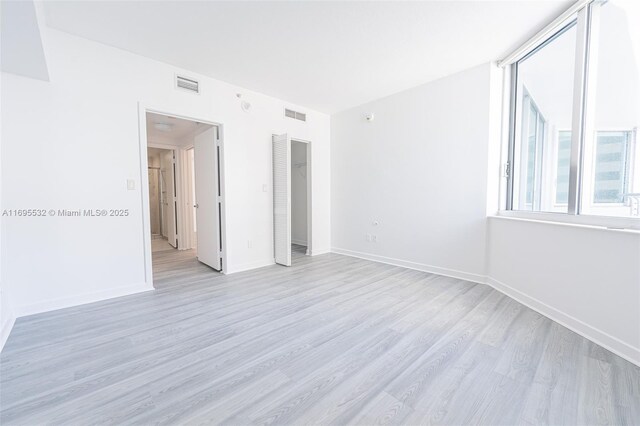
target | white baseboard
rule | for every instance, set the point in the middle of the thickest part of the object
(587, 331)
(248, 266)
(299, 242)
(607, 341)
(6, 330)
(611, 343)
(467, 276)
(262, 263)
(81, 299)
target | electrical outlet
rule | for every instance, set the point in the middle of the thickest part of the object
(374, 238)
(367, 237)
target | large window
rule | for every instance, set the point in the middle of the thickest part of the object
(610, 183)
(543, 104)
(574, 116)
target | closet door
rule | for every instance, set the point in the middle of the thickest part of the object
(282, 199)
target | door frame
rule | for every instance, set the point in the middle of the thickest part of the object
(143, 109)
(309, 190)
(309, 194)
(186, 241)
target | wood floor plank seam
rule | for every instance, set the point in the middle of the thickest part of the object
(370, 283)
(330, 340)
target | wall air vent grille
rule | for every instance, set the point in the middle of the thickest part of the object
(188, 84)
(295, 114)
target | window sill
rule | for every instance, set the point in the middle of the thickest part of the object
(613, 224)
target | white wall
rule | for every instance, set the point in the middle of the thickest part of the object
(6, 311)
(583, 277)
(426, 151)
(79, 132)
(298, 193)
(586, 278)
(420, 170)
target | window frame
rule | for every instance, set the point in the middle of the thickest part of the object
(565, 25)
(539, 151)
(585, 16)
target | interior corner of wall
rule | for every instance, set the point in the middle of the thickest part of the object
(42, 28)
(7, 316)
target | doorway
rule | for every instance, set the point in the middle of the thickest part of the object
(162, 196)
(299, 229)
(183, 229)
(291, 199)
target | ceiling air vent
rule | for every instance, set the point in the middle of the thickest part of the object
(295, 114)
(187, 84)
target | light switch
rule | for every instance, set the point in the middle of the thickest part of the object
(131, 184)
(265, 188)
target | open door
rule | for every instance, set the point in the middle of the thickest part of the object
(282, 199)
(207, 198)
(168, 194)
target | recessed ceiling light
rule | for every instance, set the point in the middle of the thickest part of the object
(163, 127)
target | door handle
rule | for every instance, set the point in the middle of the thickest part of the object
(196, 206)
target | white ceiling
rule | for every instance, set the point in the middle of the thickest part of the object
(324, 55)
(180, 130)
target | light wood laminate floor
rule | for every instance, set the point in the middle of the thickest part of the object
(330, 340)
(173, 267)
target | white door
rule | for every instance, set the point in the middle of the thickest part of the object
(282, 199)
(191, 202)
(205, 154)
(168, 176)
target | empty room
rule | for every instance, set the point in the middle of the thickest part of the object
(320, 212)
